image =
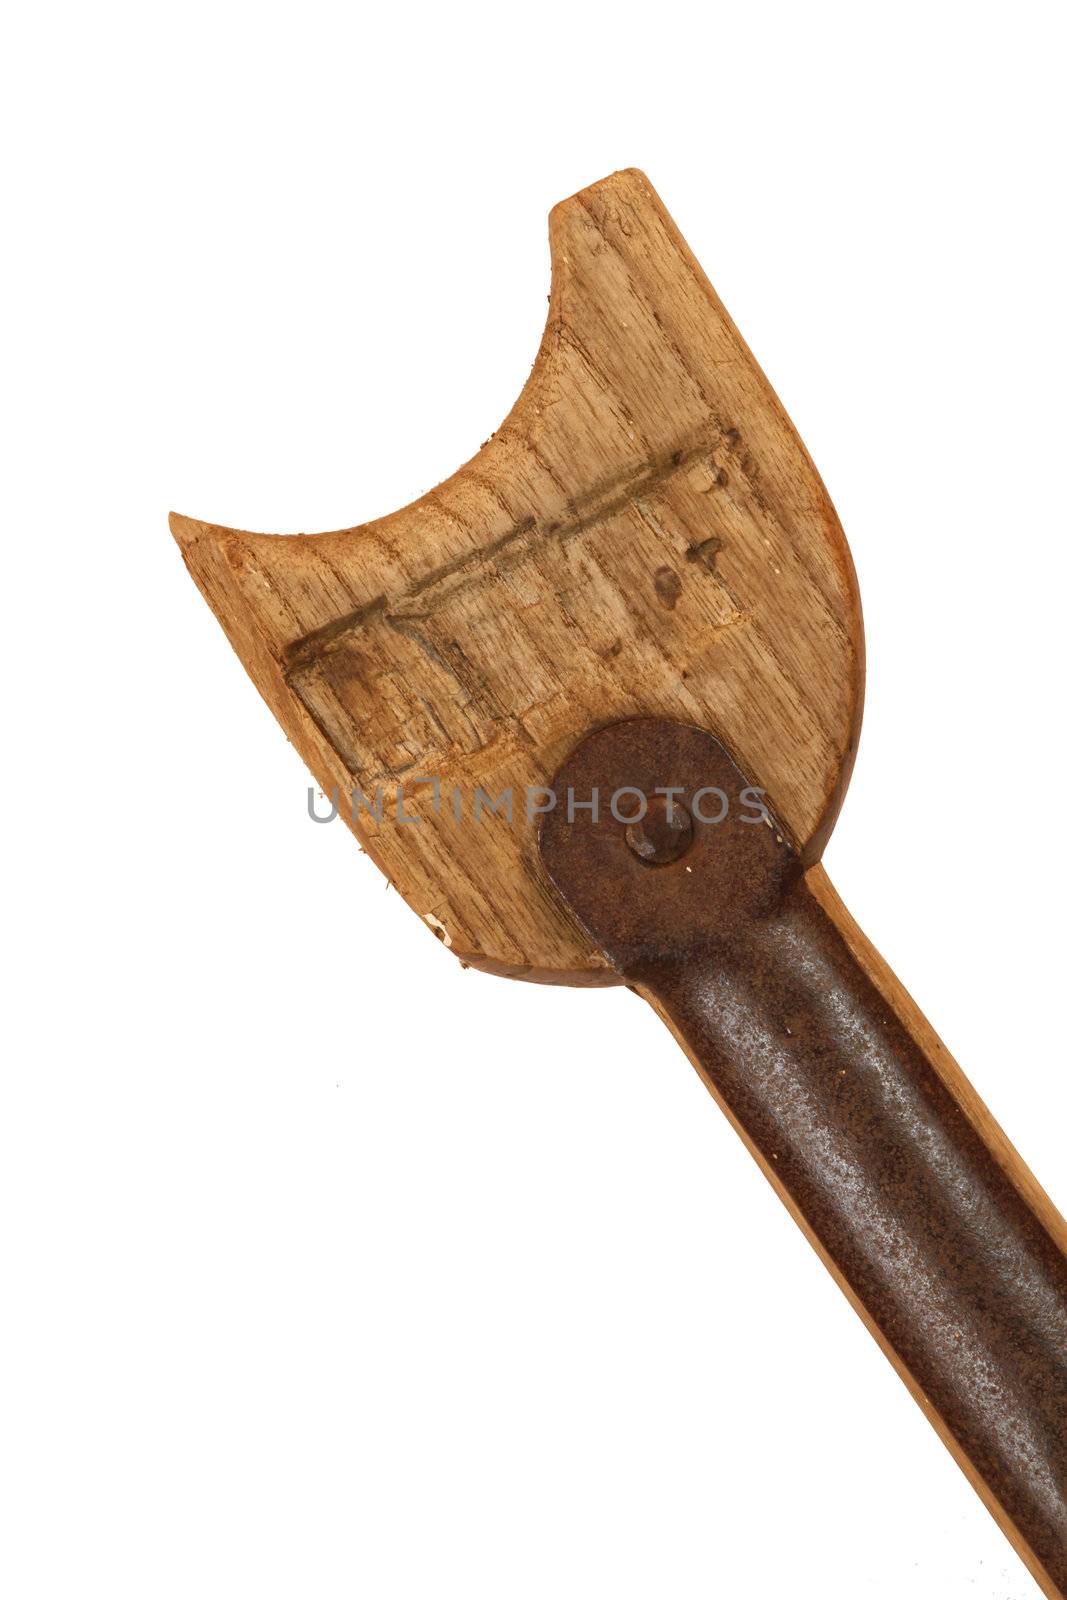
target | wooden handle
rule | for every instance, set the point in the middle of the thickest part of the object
(881, 1151)
(645, 532)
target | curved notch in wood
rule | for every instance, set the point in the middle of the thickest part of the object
(645, 534)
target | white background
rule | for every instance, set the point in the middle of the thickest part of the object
(327, 1268)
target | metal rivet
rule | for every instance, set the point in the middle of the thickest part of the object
(664, 833)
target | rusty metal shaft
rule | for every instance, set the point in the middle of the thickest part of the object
(945, 1258)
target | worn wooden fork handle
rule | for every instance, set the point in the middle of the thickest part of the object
(874, 1140)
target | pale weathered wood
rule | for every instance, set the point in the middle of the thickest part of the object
(645, 534)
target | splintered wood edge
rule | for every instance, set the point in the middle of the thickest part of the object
(292, 604)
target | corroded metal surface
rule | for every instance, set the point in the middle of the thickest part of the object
(917, 1217)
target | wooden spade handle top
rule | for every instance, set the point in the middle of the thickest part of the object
(644, 535)
(925, 1216)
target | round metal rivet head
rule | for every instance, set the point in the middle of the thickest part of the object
(663, 834)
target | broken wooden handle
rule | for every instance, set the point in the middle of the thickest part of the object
(875, 1142)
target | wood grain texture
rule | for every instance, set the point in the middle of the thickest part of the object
(645, 534)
